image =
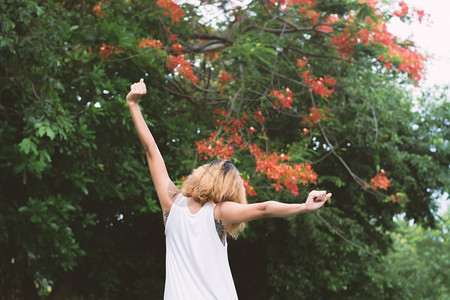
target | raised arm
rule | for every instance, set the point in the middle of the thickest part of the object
(165, 188)
(232, 213)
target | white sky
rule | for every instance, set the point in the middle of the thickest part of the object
(433, 37)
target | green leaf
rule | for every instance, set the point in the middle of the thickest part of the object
(26, 146)
(50, 133)
(35, 218)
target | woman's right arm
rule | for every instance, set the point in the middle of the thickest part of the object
(165, 188)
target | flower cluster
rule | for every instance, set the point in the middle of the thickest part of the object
(403, 10)
(344, 43)
(150, 43)
(284, 99)
(98, 10)
(420, 14)
(223, 79)
(177, 47)
(386, 62)
(306, 8)
(411, 61)
(232, 126)
(327, 26)
(173, 37)
(373, 31)
(274, 166)
(182, 66)
(322, 86)
(380, 181)
(259, 117)
(309, 13)
(301, 62)
(285, 175)
(171, 9)
(106, 50)
(370, 3)
(214, 147)
(221, 147)
(314, 116)
(249, 190)
(396, 198)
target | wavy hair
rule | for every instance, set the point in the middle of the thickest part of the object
(217, 181)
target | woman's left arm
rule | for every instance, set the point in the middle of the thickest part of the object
(232, 213)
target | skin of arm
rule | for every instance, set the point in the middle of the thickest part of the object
(232, 213)
(164, 186)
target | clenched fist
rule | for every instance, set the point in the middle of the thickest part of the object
(137, 90)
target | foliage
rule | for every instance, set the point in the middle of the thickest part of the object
(417, 266)
(298, 94)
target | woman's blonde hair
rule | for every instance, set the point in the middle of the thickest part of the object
(218, 181)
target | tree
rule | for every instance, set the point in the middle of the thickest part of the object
(418, 261)
(298, 94)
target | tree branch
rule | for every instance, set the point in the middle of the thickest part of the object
(334, 230)
(212, 36)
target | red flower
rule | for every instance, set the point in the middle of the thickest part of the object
(374, 31)
(105, 51)
(259, 117)
(223, 79)
(320, 86)
(177, 47)
(396, 198)
(404, 10)
(150, 43)
(249, 190)
(173, 38)
(98, 10)
(214, 147)
(171, 9)
(182, 66)
(315, 115)
(284, 175)
(380, 181)
(370, 3)
(325, 28)
(301, 63)
(281, 98)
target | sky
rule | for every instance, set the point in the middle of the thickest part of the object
(433, 38)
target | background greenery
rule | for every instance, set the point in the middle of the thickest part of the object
(78, 213)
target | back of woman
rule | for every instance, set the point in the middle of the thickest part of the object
(196, 259)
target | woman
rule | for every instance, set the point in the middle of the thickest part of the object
(211, 204)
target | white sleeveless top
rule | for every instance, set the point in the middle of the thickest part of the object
(196, 260)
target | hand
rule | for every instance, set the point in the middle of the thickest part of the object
(137, 90)
(316, 199)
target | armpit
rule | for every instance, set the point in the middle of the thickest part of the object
(165, 216)
(172, 191)
(220, 230)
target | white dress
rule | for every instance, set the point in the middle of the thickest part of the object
(196, 260)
